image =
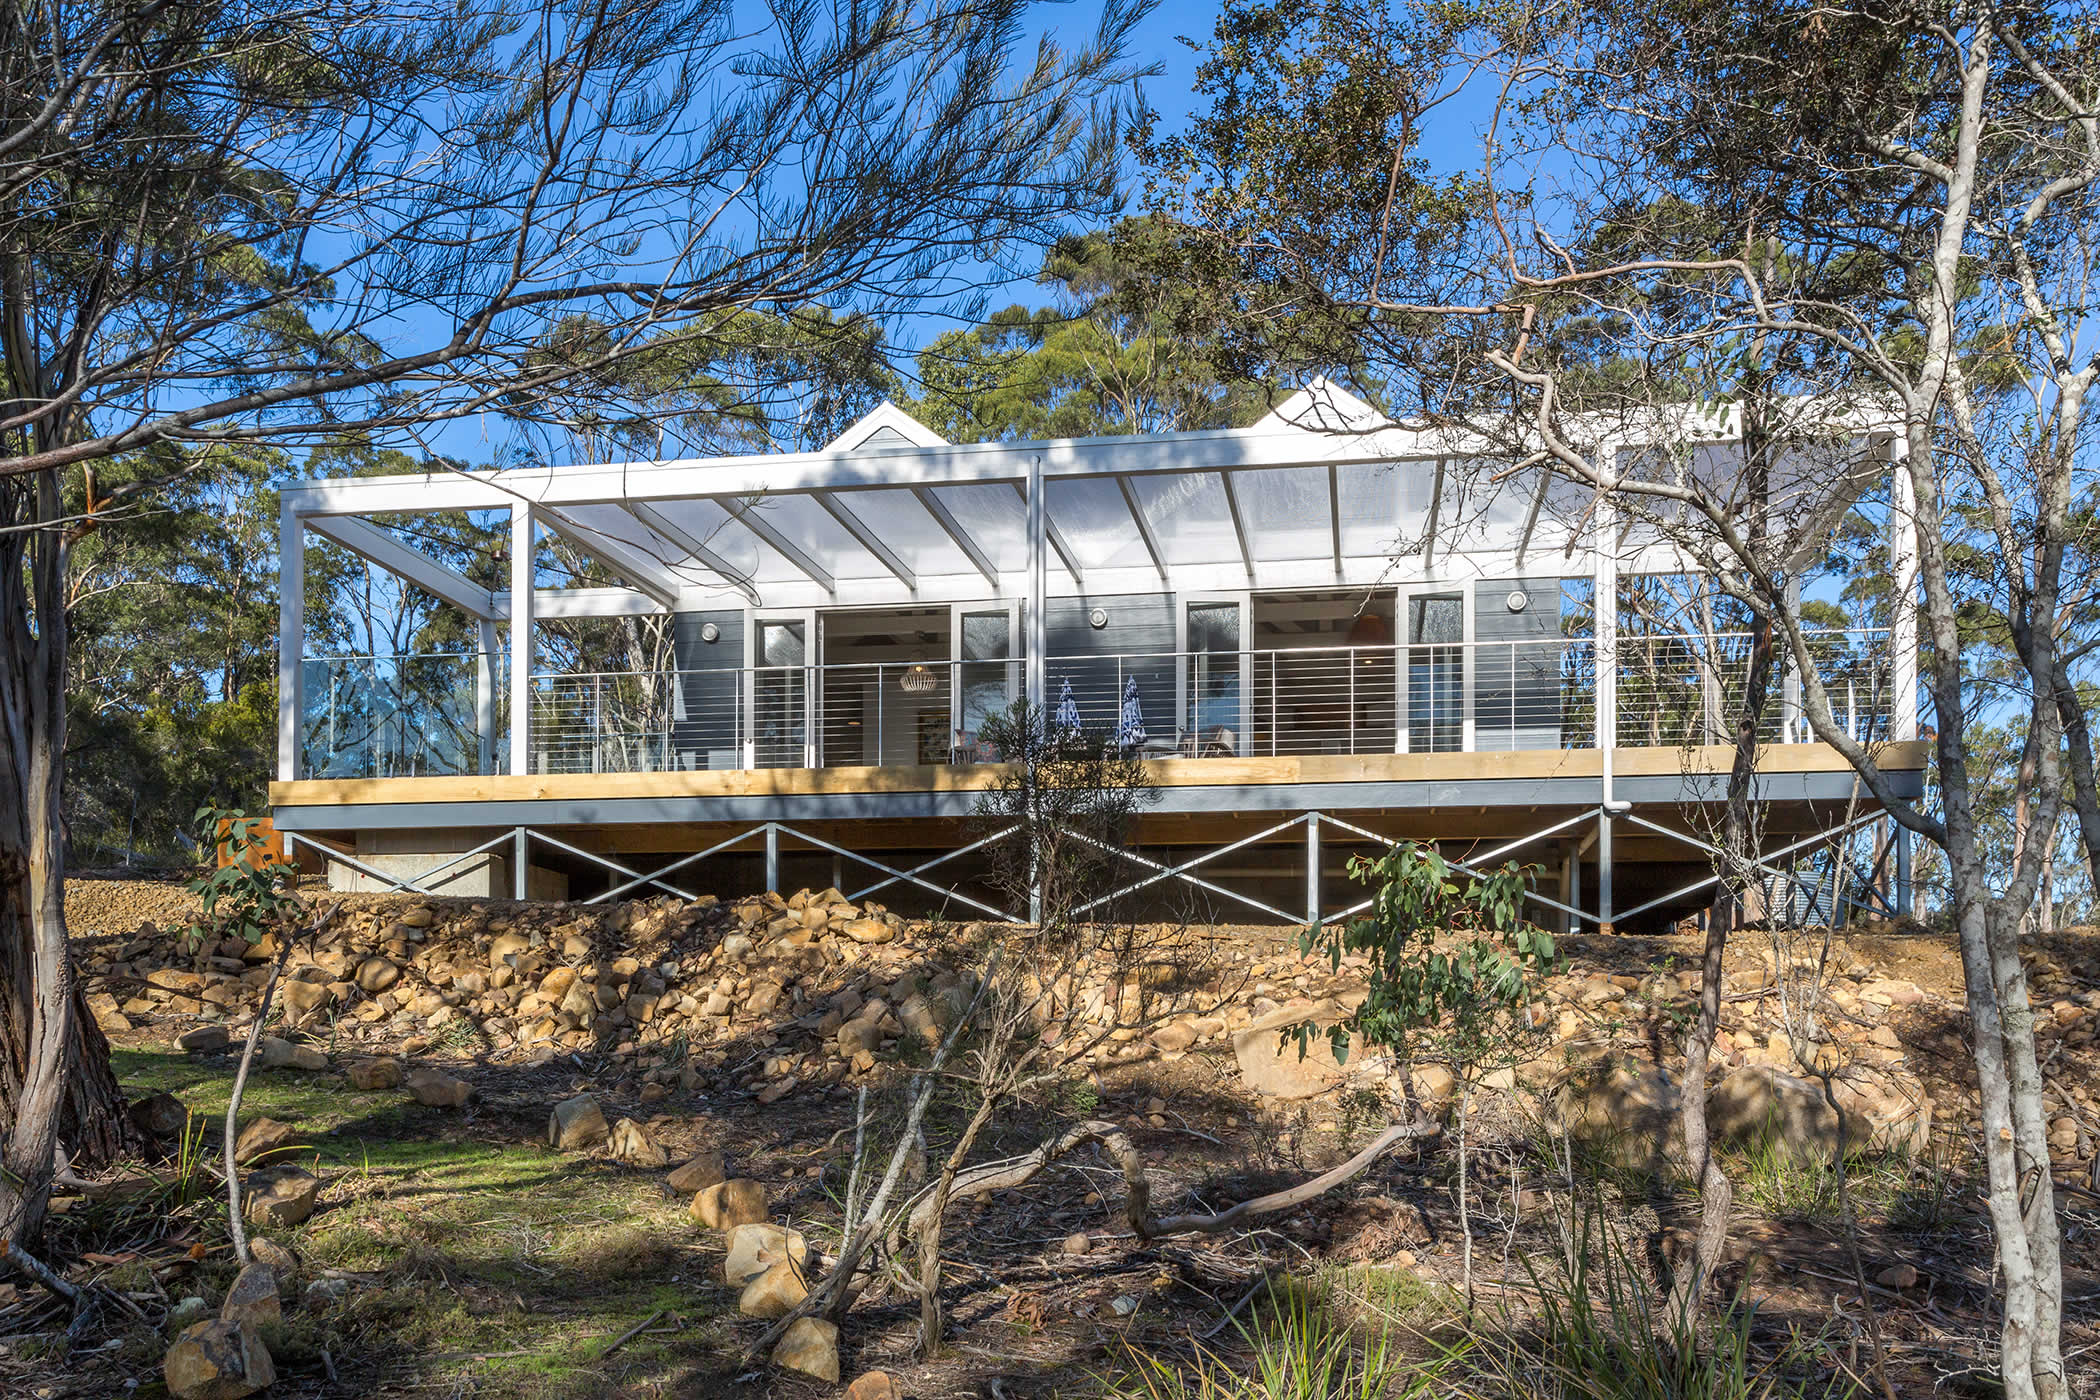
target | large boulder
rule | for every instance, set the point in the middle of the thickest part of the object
(218, 1360)
(1755, 1105)
(1269, 1054)
(1622, 1111)
(811, 1346)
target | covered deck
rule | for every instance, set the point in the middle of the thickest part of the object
(1322, 624)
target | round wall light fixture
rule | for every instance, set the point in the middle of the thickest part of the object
(1518, 600)
(1097, 619)
(710, 633)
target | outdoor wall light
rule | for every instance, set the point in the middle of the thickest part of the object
(1097, 619)
(1518, 600)
(709, 632)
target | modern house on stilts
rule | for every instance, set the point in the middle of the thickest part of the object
(1323, 632)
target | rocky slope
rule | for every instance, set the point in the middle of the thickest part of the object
(769, 997)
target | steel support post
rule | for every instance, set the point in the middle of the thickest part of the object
(1312, 870)
(773, 857)
(1903, 874)
(521, 841)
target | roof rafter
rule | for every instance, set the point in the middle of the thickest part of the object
(678, 537)
(747, 514)
(370, 542)
(1334, 515)
(645, 571)
(838, 510)
(1137, 514)
(1056, 537)
(945, 518)
(1239, 524)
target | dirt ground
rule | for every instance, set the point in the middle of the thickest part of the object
(456, 1254)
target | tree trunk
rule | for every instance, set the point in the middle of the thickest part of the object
(57, 1091)
(1738, 873)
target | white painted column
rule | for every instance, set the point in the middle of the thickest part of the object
(1606, 614)
(1036, 681)
(485, 696)
(1903, 597)
(291, 638)
(521, 561)
(1793, 716)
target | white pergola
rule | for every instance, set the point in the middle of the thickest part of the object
(1323, 493)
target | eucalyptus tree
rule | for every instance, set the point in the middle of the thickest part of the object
(1855, 223)
(226, 222)
(1123, 345)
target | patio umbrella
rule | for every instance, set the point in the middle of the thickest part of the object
(1130, 727)
(1067, 707)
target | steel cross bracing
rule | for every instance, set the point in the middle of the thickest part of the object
(520, 839)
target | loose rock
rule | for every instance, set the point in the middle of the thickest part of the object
(253, 1298)
(260, 1138)
(576, 1124)
(728, 1204)
(218, 1360)
(279, 1197)
(703, 1170)
(811, 1346)
(433, 1088)
(755, 1248)
(775, 1293)
(376, 1074)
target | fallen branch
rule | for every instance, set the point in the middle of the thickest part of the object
(1137, 1201)
(240, 1084)
(14, 1255)
(1294, 1195)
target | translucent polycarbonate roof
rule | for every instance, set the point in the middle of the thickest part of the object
(889, 512)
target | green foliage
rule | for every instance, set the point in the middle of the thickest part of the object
(1450, 959)
(251, 894)
(1127, 347)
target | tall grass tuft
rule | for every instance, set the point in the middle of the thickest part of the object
(1606, 1333)
(1297, 1350)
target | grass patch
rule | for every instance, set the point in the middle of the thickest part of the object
(494, 1268)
